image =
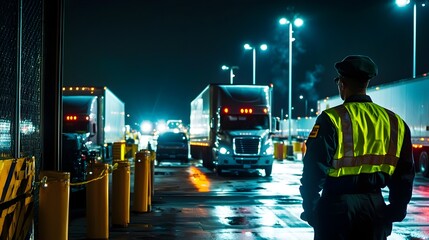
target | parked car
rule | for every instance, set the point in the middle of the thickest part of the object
(172, 146)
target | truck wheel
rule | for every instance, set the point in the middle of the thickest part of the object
(208, 159)
(205, 161)
(219, 171)
(424, 164)
(268, 171)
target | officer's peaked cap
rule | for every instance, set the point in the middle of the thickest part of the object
(357, 66)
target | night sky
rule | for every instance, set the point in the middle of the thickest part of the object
(157, 55)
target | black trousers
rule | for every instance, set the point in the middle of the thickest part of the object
(351, 216)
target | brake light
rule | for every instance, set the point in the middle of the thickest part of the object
(226, 110)
(417, 146)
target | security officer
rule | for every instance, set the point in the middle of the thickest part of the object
(353, 151)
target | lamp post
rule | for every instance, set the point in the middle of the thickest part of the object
(305, 99)
(231, 72)
(263, 47)
(402, 3)
(297, 22)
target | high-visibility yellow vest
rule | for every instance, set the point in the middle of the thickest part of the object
(369, 139)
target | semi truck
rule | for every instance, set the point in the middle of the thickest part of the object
(97, 116)
(408, 98)
(230, 127)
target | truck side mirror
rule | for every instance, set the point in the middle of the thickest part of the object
(94, 129)
(211, 123)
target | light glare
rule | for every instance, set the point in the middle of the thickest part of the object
(283, 21)
(223, 150)
(146, 126)
(402, 3)
(298, 22)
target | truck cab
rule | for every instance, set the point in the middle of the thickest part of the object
(230, 127)
(243, 141)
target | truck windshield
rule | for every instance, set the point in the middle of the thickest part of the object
(244, 122)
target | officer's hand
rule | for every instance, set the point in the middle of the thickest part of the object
(308, 218)
(396, 213)
(304, 216)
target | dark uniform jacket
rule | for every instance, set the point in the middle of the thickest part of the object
(321, 147)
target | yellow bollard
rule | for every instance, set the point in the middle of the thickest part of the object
(151, 179)
(303, 148)
(296, 147)
(97, 201)
(54, 197)
(275, 149)
(141, 181)
(119, 150)
(134, 149)
(279, 150)
(121, 194)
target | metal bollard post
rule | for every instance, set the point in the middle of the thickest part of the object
(118, 150)
(303, 148)
(280, 151)
(151, 178)
(141, 181)
(97, 201)
(134, 149)
(121, 194)
(54, 199)
(296, 147)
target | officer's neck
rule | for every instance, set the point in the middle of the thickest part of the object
(352, 92)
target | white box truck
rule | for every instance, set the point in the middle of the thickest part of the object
(96, 114)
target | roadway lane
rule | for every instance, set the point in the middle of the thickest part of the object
(195, 203)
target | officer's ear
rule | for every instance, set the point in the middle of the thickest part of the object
(342, 83)
(367, 84)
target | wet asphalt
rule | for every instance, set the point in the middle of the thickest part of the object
(233, 206)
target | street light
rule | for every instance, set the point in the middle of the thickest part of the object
(297, 22)
(231, 72)
(263, 47)
(402, 3)
(302, 97)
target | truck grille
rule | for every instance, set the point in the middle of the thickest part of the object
(246, 146)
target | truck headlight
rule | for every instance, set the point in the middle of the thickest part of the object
(269, 147)
(223, 150)
(270, 150)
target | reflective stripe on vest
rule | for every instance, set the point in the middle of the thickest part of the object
(369, 143)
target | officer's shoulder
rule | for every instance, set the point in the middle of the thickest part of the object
(323, 117)
(322, 122)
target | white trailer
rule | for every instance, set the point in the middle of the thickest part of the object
(95, 113)
(409, 99)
